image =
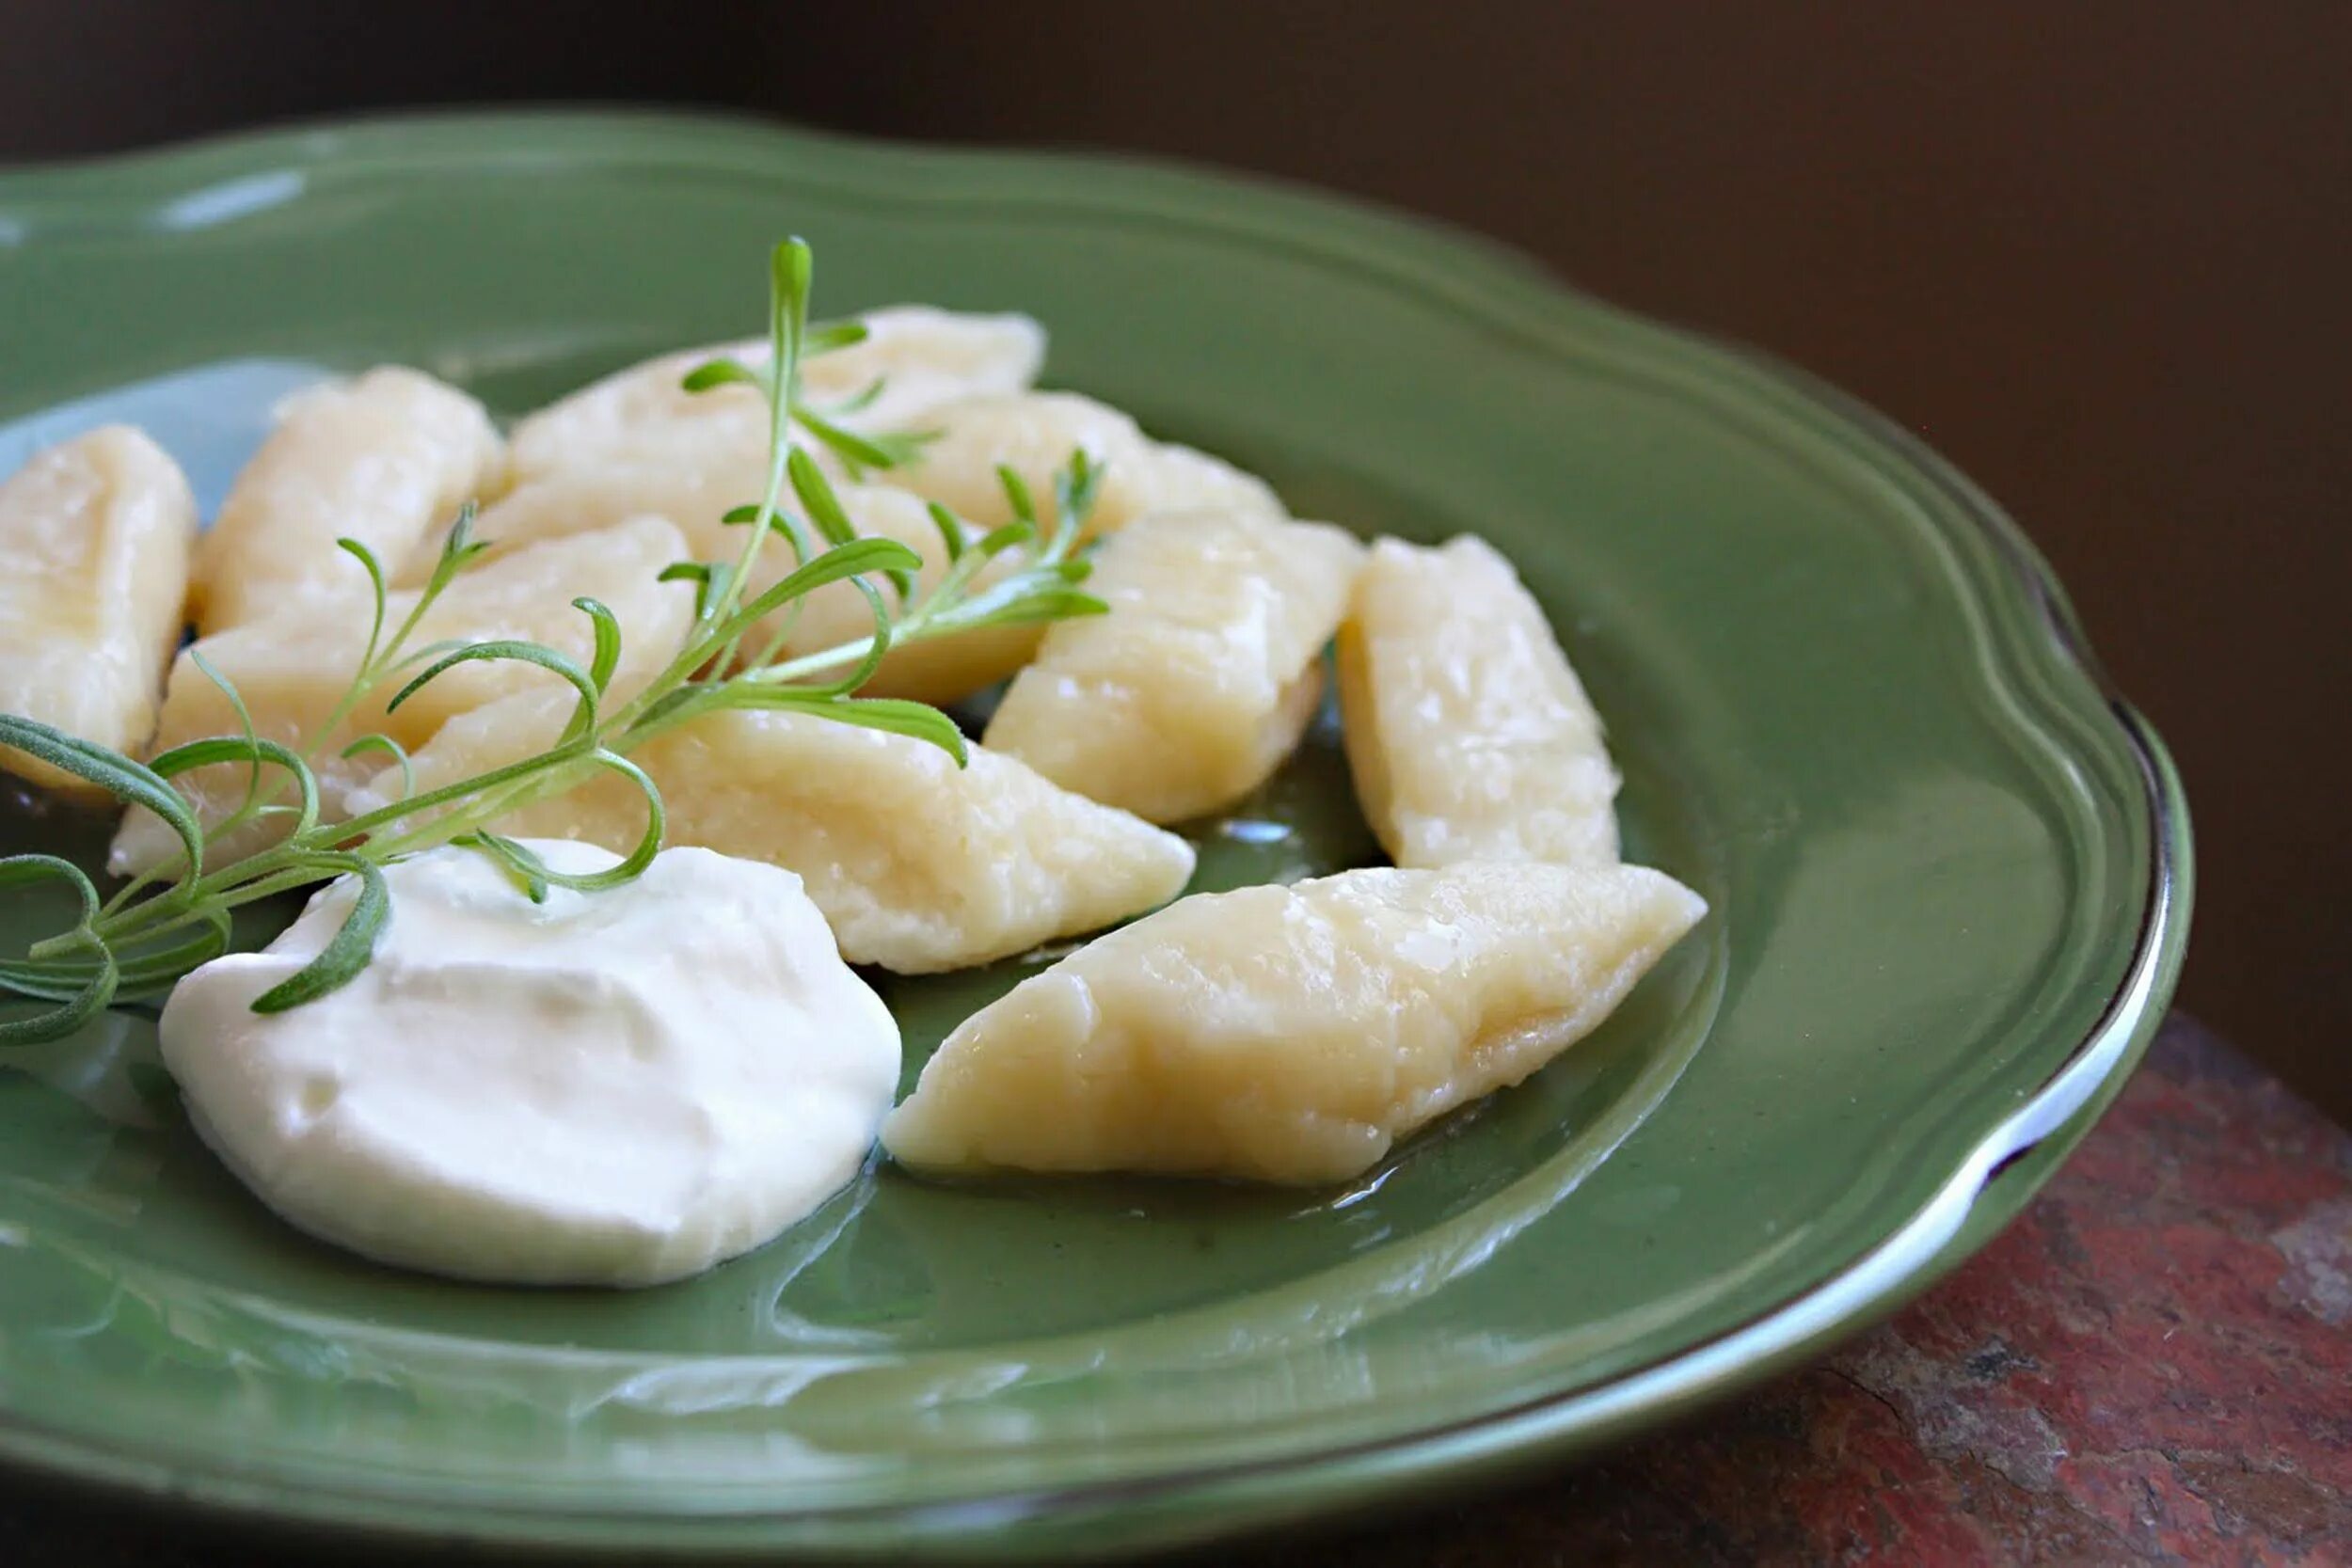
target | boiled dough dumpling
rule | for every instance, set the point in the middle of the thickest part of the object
(1468, 734)
(937, 669)
(925, 358)
(94, 540)
(292, 669)
(385, 459)
(1033, 433)
(1289, 1034)
(919, 864)
(933, 669)
(1201, 679)
(592, 496)
(580, 500)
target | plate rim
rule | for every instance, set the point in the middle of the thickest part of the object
(1999, 1175)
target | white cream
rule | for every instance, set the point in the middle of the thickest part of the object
(620, 1087)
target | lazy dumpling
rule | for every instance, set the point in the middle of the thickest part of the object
(1468, 734)
(917, 865)
(292, 669)
(924, 357)
(592, 496)
(1034, 432)
(385, 459)
(1289, 1034)
(935, 670)
(94, 540)
(1201, 679)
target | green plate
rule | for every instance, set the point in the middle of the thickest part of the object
(1949, 873)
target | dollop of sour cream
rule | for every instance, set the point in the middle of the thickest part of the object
(619, 1088)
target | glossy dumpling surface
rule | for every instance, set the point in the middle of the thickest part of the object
(1468, 734)
(1289, 1034)
(1200, 680)
(386, 459)
(924, 357)
(94, 541)
(933, 669)
(919, 865)
(1033, 433)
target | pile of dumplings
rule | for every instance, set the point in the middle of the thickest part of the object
(1280, 1034)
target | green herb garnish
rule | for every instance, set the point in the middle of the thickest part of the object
(162, 924)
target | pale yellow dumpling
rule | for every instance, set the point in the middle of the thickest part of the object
(1203, 676)
(1033, 433)
(1468, 734)
(917, 865)
(579, 500)
(385, 459)
(1289, 1034)
(94, 541)
(292, 669)
(925, 358)
(937, 669)
(934, 669)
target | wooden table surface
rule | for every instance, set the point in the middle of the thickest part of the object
(2155, 1363)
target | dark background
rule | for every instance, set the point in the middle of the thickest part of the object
(2097, 252)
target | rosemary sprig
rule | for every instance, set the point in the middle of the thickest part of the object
(164, 923)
